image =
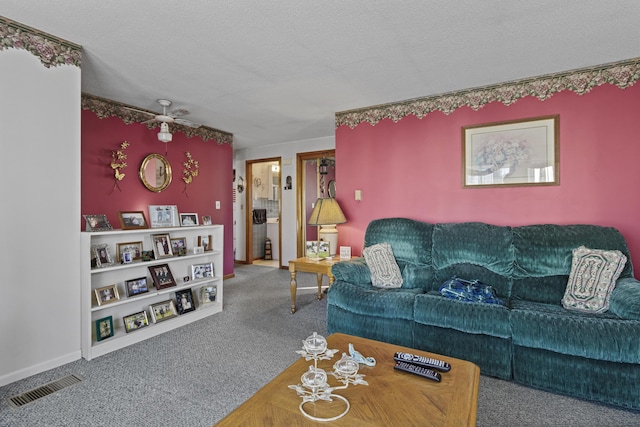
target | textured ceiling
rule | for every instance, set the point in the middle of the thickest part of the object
(272, 72)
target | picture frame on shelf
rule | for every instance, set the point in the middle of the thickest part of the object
(161, 246)
(163, 216)
(179, 246)
(136, 286)
(135, 248)
(206, 219)
(162, 276)
(135, 321)
(208, 295)
(323, 249)
(202, 271)
(184, 301)
(97, 223)
(311, 249)
(106, 295)
(188, 219)
(104, 328)
(345, 252)
(132, 220)
(206, 242)
(102, 255)
(162, 311)
(522, 152)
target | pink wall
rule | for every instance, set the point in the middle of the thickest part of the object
(413, 168)
(99, 137)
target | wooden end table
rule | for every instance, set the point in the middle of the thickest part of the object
(321, 266)
(392, 398)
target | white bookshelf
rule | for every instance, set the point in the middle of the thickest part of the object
(117, 274)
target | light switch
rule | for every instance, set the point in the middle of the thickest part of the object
(217, 204)
(358, 195)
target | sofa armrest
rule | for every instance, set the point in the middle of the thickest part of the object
(354, 271)
(625, 299)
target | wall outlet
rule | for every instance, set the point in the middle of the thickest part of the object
(217, 204)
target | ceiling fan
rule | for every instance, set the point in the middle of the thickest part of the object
(166, 118)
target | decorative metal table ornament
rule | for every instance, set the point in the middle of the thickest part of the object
(314, 385)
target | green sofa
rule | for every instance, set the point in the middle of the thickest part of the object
(533, 339)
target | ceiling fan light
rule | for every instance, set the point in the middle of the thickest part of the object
(164, 135)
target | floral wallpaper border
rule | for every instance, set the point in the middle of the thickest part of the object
(623, 74)
(104, 108)
(52, 51)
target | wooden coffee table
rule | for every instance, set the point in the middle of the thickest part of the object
(311, 265)
(392, 398)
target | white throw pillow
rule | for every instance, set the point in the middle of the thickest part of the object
(593, 276)
(385, 272)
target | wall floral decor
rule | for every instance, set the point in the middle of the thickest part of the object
(189, 172)
(118, 164)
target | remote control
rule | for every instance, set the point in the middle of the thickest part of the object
(418, 370)
(425, 362)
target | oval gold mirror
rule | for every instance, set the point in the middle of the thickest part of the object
(155, 172)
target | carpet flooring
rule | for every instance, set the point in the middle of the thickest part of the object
(195, 375)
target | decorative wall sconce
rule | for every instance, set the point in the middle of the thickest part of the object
(118, 163)
(190, 171)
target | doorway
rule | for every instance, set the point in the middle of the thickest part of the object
(311, 185)
(264, 204)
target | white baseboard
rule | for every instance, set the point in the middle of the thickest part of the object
(40, 367)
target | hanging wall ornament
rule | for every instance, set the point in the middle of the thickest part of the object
(189, 172)
(118, 163)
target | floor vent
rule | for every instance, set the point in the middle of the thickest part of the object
(44, 390)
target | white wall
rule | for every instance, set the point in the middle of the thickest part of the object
(40, 215)
(287, 151)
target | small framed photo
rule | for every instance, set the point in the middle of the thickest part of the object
(184, 301)
(179, 246)
(132, 220)
(188, 219)
(208, 294)
(104, 328)
(163, 216)
(97, 223)
(134, 249)
(107, 294)
(162, 311)
(198, 250)
(205, 242)
(162, 276)
(312, 249)
(201, 271)
(135, 321)
(206, 220)
(102, 255)
(162, 246)
(136, 286)
(323, 249)
(345, 251)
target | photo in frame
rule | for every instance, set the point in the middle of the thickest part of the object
(201, 271)
(107, 294)
(131, 220)
(323, 249)
(162, 311)
(206, 220)
(163, 216)
(102, 255)
(184, 301)
(134, 248)
(161, 246)
(311, 249)
(104, 328)
(162, 276)
(135, 321)
(136, 286)
(205, 242)
(179, 246)
(208, 294)
(512, 153)
(188, 219)
(97, 223)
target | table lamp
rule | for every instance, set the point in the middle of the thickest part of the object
(327, 214)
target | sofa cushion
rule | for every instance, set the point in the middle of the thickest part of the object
(593, 276)
(625, 299)
(354, 271)
(596, 336)
(433, 309)
(370, 301)
(385, 272)
(476, 251)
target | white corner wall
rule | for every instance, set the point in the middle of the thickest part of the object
(287, 152)
(40, 215)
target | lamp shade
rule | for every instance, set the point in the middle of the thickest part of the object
(326, 211)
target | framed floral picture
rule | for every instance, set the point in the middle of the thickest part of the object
(512, 153)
